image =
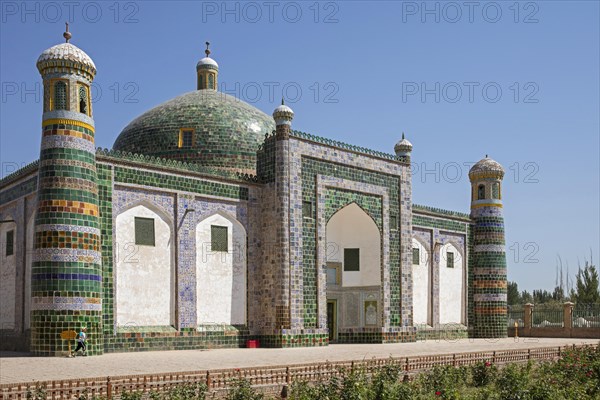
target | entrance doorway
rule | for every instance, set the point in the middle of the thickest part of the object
(332, 320)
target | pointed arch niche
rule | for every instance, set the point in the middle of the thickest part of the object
(145, 273)
(221, 270)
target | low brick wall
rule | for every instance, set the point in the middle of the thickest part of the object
(268, 379)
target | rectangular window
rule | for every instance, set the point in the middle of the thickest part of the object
(351, 259)
(334, 273)
(416, 256)
(393, 222)
(144, 231)
(218, 238)
(450, 259)
(10, 243)
(186, 138)
(307, 209)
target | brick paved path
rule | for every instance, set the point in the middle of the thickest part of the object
(19, 368)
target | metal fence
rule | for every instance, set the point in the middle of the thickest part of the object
(270, 379)
(586, 316)
(516, 314)
(548, 316)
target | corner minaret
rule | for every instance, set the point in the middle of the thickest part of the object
(66, 271)
(207, 71)
(489, 253)
(403, 148)
(283, 116)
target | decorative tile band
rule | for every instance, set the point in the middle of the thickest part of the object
(501, 311)
(51, 162)
(67, 206)
(490, 284)
(72, 255)
(498, 248)
(85, 277)
(67, 228)
(67, 132)
(489, 271)
(60, 182)
(66, 303)
(67, 142)
(60, 121)
(69, 240)
(490, 297)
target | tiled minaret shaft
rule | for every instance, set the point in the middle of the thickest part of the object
(66, 269)
(489, 253)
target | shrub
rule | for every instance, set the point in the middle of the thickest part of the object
(134, 395)
(242, 390)
(513, 381)
(37, 393)
(483, 373)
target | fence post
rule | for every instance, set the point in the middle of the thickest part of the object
(527, 319)
(288, 375)
(208, 380)
(108, 388)
(568, 318)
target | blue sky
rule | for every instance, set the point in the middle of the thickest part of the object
(516, 80)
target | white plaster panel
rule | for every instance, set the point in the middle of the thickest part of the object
(351, 227)
(221, 276)
(421, 274)
(452, 288)
(8, 278)
(144, 274)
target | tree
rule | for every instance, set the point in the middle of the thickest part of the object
(526, 297)
(558, 294)
(586, 286)
(512, 294)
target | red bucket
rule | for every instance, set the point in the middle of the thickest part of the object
(252, 344)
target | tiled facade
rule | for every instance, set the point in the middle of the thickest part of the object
(281, 186)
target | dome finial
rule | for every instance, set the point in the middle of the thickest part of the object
(67, 35)
(282, 102)
(486, 156)
(402, 135)
(207, 51)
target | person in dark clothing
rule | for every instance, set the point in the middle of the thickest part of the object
(81, 339)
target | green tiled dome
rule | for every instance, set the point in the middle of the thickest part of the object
(227, 131)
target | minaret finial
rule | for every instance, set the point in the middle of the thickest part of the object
(486, 156)
(207, 51)
(67, 35)
(402, 135)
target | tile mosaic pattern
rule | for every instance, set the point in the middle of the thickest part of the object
(489, 275)
(66, 268)
(228, 131)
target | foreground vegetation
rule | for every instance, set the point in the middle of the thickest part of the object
(575, 376)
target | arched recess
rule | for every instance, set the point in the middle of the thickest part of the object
(8, 275)
(354, 271)
(421, 273)
(144, 273)
(221, 271)
(352, 228)
(452, 284)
